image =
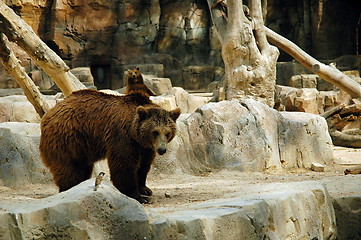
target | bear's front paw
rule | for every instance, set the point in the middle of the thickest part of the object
(143, 199)
(146, 191)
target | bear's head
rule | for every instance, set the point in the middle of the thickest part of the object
(155, 127)
(134, 76)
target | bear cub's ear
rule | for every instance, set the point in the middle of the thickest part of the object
(142, 112)
(174, 114)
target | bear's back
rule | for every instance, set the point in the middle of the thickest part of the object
(91, 109)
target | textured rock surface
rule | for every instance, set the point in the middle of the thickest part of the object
(304, 138)
(18, 109)
(79, 213)
(229, 133)
(105, 35)
(20, 161)
(309, 99)
(272, 211)
(322, 22)
(346, 195)
(158, 85)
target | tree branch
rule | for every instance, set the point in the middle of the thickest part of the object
(260, 35)
(328, 73)
(20, 32)
(13, 67)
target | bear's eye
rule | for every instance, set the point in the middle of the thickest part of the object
(155, 133)
(168, 135)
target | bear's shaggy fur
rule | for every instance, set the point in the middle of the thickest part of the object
(88, 126)
(135, 82)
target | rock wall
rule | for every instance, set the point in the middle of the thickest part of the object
(324, 29)
(107, 35)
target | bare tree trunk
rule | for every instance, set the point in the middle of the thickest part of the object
(328, 73)
(13, 67)
(250, 62)
(20, 32)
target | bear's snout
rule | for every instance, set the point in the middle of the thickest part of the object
(161, 151)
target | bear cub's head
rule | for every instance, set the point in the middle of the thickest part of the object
(156, 127)
(134, 76)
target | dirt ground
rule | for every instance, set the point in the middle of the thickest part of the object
(173, 190)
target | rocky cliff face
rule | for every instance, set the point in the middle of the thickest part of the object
(108, 36)
(325, 29)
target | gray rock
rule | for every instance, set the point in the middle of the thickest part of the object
(304, 139)
(41, 79)
(304, 81)
(309, 99)
(17, 108)
(79, 213)
(83, 74)
(11, 91)
(247, 136)
(345, 192)
(20, 161)
(158, 85)
(273, 211)
(178, 97)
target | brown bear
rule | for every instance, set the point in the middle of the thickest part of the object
(89, 125)
(135, 82)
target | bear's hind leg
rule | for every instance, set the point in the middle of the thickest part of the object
(67, 177)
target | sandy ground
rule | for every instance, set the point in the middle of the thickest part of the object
(173, 190)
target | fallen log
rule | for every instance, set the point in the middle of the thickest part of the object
(328, 73)
(337, 119)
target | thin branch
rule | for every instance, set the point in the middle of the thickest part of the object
(257, 18)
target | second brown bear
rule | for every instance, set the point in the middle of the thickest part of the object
(88, 126)
(135, 82)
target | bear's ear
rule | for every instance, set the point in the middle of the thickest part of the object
(137, 68)
(174, 114)
(142, 112)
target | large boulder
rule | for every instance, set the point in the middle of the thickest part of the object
(248, 136)
(20, 161)
(79, 213)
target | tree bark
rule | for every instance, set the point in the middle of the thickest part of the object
(328, 73)
(20, 32)
(250, 62)
(13, 67)
(337, 118)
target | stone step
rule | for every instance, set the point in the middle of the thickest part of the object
(300, 210)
